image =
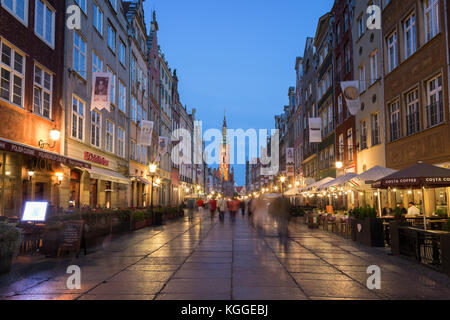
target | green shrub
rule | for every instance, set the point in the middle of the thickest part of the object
(138, 216)
(440, 213)
(447, 226)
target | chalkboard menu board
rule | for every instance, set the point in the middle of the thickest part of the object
(73, 231)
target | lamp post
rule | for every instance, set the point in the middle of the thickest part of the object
(152, 168)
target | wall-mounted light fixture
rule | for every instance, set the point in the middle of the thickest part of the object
(55, 135)
(30, 175)
(60, 177)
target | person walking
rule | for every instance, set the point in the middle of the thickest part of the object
(190, 205)
(222, 209)
(242, 205)
(212, 207)
(233, 206)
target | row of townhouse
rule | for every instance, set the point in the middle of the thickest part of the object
(54, 146)
(399, 54)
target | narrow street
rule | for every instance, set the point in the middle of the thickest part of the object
(210, 260)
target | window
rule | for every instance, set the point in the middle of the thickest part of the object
(394, 113)
(341, 147)
(410, 35)
(79, 55)
(362, 78)
(373, 67)
(12, 65)
(133, 149)
(350, 144)
(363, 127)
(122, 97)
(435, 110)
(340, 109)
(412, 112)
(120, 142)
(139, 113)
(113, 4)
(346, 21)
(347, 58)
(95, 128)
(111, 37)
(77, 118)
(109, 136)
(18, 8)
(45, 22)
(81, 4)
(42, 92)
(113, 86)
(361, 27)
(431, 11)
(98, 19)
(338, 33)
(392, 51)
(122, 54)
(97, 63)
(375, 129)
(133, 109)
(339, 68)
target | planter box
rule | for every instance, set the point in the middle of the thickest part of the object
(5, 262)
(394, 234)
(368, 232)
(139, 224)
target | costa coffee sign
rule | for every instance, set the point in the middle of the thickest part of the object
(96, 159)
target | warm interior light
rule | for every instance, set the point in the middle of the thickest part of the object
(158, 181)
(297, 183)
(55, 134)
(31, 173)
(60, 176)
(283, 179)
(339, 164)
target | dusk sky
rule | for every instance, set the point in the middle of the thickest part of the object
(237, 56)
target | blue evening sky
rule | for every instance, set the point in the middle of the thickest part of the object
(235, 55)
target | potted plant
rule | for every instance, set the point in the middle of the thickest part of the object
(367, 229)
(139, 220)
(10, 239)
(441, 213)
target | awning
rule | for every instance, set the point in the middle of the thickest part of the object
(292, 192)
(338, 182)
(107, 175)
(317, 184)
(417, 176)
(140, 179)
(12, 146)
(366, 179)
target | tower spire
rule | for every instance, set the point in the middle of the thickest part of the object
(224, 119)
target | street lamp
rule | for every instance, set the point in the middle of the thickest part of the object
(339, 164)
(283, 180)
(55, 135)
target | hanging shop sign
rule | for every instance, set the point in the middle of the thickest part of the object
(145, 138)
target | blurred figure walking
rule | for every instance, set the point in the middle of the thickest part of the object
(212, 207)
(222, 209)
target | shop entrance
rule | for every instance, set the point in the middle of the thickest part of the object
(75, 177)
(93, 193)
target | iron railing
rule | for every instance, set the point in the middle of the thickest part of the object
(423, 246)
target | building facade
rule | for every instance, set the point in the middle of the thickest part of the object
(368, 66)
(346, 151)
(323, 42)
(32, 73)
(416, 105)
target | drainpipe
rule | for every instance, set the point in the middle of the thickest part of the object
(448, 48)
(385, 120)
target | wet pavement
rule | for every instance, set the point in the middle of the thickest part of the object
(205, 259)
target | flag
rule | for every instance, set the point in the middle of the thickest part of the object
(101, 91)
(163, 145)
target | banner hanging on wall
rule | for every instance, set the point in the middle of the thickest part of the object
(351, 95)
(315, 130)
(145, 138)
(101, 91)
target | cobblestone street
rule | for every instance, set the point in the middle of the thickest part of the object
(206, 259)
